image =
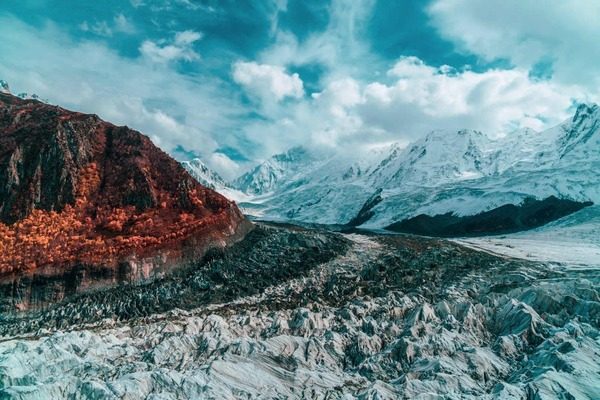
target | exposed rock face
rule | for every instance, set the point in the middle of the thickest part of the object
(78, 191)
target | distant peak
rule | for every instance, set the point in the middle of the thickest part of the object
(443, 135)
(4, 88)
(585, 111)
(293, 154)
(195, 162)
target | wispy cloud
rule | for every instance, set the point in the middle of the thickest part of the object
(119, 24)
(562, 34)
(170, 107)
(179, 48)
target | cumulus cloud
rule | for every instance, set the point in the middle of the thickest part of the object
(268, 81)
(180, 48)
(413, 100)
(496, 101)
(561, 34)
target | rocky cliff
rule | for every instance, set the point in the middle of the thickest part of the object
(78, 193)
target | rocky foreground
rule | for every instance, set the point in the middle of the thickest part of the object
(294, 313)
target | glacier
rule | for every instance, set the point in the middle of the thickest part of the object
(389, 317)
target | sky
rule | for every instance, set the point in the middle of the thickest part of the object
(234, 82)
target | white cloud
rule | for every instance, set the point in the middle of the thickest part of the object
(180, 48)
(169, 107)
(188, 37)
(267, 81)
(99, 28)
(168, 5)
(120, 24)
(228, 169)
(123, 24)
(564, 33)
(424, 98)
(340, 47)
(415, 99)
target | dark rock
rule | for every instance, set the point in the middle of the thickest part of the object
(508, 218)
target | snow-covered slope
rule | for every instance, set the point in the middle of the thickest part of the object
(573, 241)
(276, 171)
(329, 189)
(212, 180)
(463, 172)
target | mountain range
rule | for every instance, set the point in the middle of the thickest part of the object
(463, 173)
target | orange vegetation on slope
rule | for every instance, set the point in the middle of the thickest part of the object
(72, 235)
(83, 191)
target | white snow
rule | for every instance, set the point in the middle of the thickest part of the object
(212, 180)
(572, 241)
(462, 172)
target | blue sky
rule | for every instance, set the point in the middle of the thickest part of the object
(236, 81)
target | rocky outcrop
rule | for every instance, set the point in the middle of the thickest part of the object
(81, 196)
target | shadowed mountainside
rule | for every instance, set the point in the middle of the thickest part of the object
(504, 219)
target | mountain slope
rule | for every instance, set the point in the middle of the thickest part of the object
(275, 172)
(212, 180)
(75, 190)
(573, 241)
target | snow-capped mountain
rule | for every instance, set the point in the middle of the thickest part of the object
(4, 88)
(203, 174)
(276, 171)
(462, 172)
(212, 180)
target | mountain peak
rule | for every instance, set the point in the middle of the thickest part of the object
(203, 174)
(585, 111)
(4, 88)
(584, 126)
(270, 174)
(297, 153)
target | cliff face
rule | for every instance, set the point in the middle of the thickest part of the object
(75, 190)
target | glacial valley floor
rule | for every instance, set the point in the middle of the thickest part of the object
(293, 313)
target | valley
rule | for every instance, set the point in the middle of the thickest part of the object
(126, 275)
(299, 200)
(291, 312)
